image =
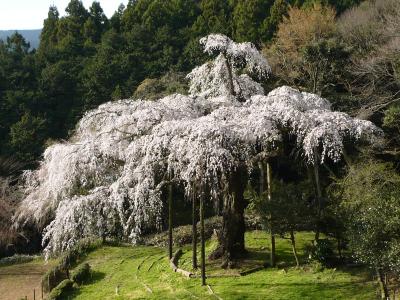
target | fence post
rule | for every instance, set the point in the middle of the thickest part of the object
(170, 221)
(203, 251)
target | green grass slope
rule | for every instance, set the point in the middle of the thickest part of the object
(144, 273)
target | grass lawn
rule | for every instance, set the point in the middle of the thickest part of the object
(144, 273)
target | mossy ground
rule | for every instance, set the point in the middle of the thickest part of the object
(143, 273)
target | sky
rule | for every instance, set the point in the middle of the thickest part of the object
(29, 14)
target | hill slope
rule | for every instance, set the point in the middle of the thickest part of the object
(144, 273)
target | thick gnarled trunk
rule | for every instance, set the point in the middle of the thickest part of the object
(231, 236)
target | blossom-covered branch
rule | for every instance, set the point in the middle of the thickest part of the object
(107, 176)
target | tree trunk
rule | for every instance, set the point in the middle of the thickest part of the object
(273, 250)
(194, 231)
(269, 182)
(170, 221)
(319, 195)
(230, 77)
(231, 236)
(293, 242)
(383, 285)
(339, 247)
(203, 242)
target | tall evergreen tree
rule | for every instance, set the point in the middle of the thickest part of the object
(108, 69)
(215, 17)
(71, 28)
(248, 18)
(18, 96)
(96, 24)
(277, 12)
(48, 36)
(116, 19)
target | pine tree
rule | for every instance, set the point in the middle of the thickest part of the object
(214, 18)
(96, 24)
(116, 19)
(248, 18)
(270, 25)
(48, 36)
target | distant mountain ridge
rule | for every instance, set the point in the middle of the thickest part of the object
(32, 36)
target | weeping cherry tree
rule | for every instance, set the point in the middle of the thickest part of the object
(108, 179)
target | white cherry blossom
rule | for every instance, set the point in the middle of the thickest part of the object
(108, 178)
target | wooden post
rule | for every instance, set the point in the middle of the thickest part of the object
(293, 242)
(42, 289)
(170, 221)
(203, 248)
(319, 193)
(194, 230)
(269, 181)
(262, 178)
(34, 294)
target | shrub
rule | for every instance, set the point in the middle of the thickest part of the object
(83, 247)
(253, 220)
(183, 234)
(152, 89)
(9, 196)
(316, 266)
(81, 273)
(321, 251)
(60, 272)
(16, 259)
(59, 291)
(53, 277)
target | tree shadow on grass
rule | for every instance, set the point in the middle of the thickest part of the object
(95, 276)
(357, 270)
(258, 257)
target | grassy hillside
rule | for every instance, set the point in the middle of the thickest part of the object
(144, 273)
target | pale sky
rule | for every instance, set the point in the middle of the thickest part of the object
(29, 14)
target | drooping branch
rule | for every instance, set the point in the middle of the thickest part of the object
(120, 152)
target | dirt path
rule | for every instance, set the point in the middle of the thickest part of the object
(18, 281)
